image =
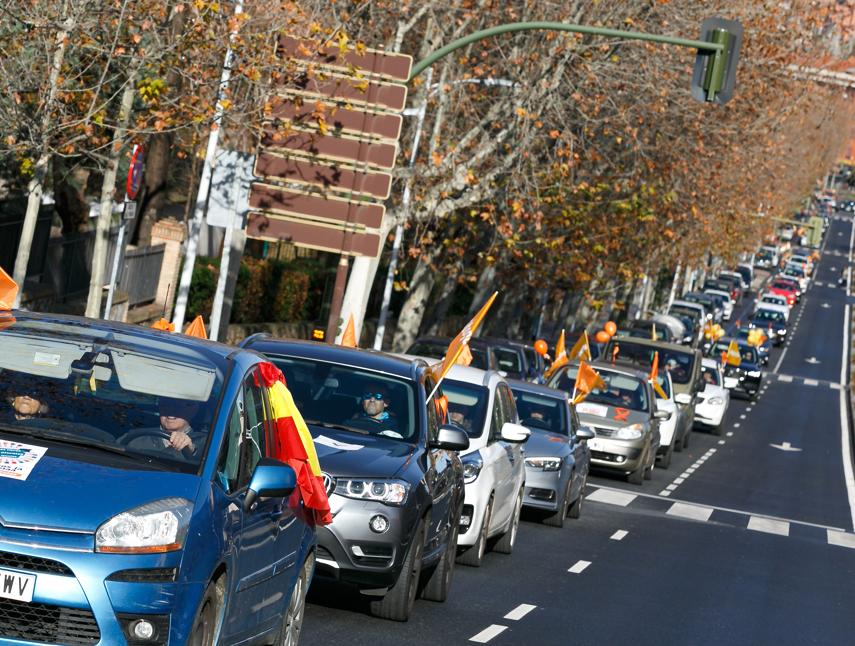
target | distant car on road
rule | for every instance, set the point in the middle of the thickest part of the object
(773, 322)
(714, 399)
(748, 375)
(557, 457)
(764, 349)
(147, 504)
(785, 288)
(391, 465)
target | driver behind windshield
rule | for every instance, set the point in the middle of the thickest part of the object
(176, 439)
(372, 415)
(27, 405)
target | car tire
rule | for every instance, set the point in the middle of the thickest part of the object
(438, 582)
(505, 543)
(556, 519)
(664, 461)
(474, 555)
(686, 439)
(678, 442)
(718, 430)
(205, 627)
(575, 510)
(637, 477)
(648, 472)
(398, 602)
(292, 622)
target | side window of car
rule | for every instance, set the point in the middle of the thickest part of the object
(498, 419)
(509, 406)
(254, 442)
(433, 415)
(228, 465)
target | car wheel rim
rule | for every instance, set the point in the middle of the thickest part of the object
(294, 618)
(482, 540)
(516, 523)
(415, 569)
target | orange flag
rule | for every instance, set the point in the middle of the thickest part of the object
(348, 339)
(197, 328)
(465, 357)
(461, 341)
(654, 377)
(561, 358)
(8, 291)
(587, 380)
(163, 324)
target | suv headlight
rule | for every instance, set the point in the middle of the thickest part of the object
(159, 526)
(472, 464)
(544, 464)
(390, 492)
(716, 401)
(753, 373)
(631, 432)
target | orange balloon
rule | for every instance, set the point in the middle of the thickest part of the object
(540, 347)
(610, 328)
(602, 337)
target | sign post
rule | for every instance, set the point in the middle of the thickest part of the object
(129, 211)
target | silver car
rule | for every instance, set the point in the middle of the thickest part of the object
(557, 454)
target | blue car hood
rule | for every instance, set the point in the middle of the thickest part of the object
(545, 444)
(66, 494)
(344, 454)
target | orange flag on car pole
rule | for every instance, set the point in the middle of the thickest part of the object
(465, 357)
(461, 341)
(292, 443)
(654, 377)
(561, 358)
(348, 339)
(587, 379)
(8, 291)
(163, 324)
(197, 328)
(582, 348)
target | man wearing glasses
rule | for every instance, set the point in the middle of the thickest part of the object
(373, 416)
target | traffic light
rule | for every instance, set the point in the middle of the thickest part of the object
(715, 70)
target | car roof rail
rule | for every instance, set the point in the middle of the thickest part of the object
(252, 338)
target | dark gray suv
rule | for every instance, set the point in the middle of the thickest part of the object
(393, 474)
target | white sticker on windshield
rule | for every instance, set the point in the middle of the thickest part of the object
(45, 359)
(17, 460)
(592, 409)
(335, 444)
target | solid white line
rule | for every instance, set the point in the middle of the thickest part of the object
(843, 539)
(811, 382)
(520, 611)
(781, 358)
(618, 535)
(611, 497)
(488, 633)
(692, 512)
(769, 526)
(579, 567)
(845, 444)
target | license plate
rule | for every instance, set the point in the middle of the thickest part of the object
(595, 445)
(17, 586)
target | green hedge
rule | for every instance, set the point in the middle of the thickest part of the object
(267, 291)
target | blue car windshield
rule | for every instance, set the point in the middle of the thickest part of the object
(351, 399)
(57, 384)
(540, 413)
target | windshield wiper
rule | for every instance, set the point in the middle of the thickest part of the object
(65, 438)
(335, 427)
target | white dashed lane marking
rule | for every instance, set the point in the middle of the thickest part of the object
(769, 525)
(840, 538)
(579, 567)
(488, 633)
(520, 611)
(736, 425)
(692, 512)
(611, 497)
(785, 378)
(730, 433)
(618, 535)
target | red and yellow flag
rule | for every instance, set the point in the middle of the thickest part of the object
(348, 338)
(587, 380)
(461, 341)
(197, 328)
(293, 444)
(8, 291)
(654, 377)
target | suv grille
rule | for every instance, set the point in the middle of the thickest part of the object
(39, 622)
(329, 483)
(33, 564)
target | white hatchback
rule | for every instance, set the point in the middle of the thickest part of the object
(481, 402)
(713, 401)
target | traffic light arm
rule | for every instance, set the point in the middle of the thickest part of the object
(716, 47)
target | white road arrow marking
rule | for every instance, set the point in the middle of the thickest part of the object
(813, 360)
(784, 446)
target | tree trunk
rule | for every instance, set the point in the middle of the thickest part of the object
(108, 189)
(35, 187)
(444, 300)
(410, 318)
(483, 288)
(69, 202)
(154, 192)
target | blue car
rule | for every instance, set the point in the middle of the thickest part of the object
(139, 499)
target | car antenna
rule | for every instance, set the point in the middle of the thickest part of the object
(166, 300)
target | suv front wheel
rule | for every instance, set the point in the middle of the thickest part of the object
(398, 602)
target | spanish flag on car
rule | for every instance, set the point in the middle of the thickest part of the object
(292, 444)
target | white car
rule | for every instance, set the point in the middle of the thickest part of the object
(771, 298)
(481, 402)
(775, 307)
(727, 309)
(804, 261)
(669, 435)
(713, 400)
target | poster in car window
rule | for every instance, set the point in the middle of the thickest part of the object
(17, 460)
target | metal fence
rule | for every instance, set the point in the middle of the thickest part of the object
(141, 274)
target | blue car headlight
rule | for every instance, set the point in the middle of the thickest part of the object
(159, 526)
(544, 464)
(390, 492)
(472, 464)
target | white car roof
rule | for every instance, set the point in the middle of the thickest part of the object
(706, 362)
(778, 297)
(772, 307)
(475, 376)
(718, 292)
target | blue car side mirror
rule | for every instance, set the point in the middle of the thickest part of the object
(271, 479)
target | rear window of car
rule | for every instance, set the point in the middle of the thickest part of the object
(540, 413)
(622, 391)
(437, 350)
(768, 315)
(508, 360)
(679, 364)
(780, 284)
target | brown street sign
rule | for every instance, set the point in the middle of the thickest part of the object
(278, 200)
(339, 119)
(328, 177)
(313, 235)
(347, 89)
(332, 147)
(373, 61)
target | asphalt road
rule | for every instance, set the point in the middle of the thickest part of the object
(737, 542)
